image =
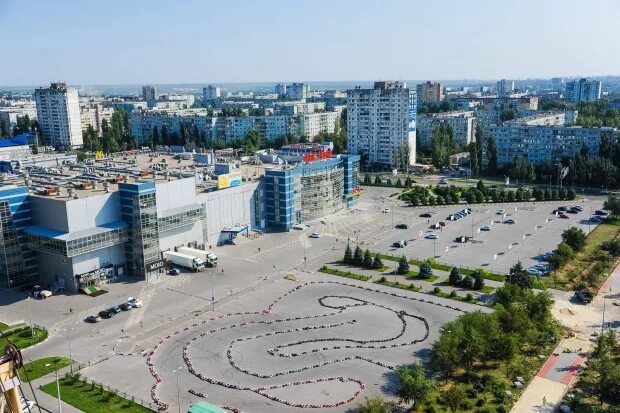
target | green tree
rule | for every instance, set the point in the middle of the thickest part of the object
(403, 266)
(4, 129)
(575, 238)
(480, 186)
(455, 277)
(474, 163)
(454, 397)
(571, 194)
(519, 276)
(377, 180)
(563, 254)
(414, 386)
(426, 271)
(613, 204)
(467, 282)
(377, 263)
(375, 405)
(441, 145)
(367, 180)
(478, 280)
(367, 261)
(358, 257)
(491, 156)
(348, 255)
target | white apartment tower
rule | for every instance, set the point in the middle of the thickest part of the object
(211, 92)
(505, 87)
(58, 112)
(583, 90)
(149, 94)
(381, 124)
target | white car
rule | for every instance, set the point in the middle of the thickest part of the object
(134, 302)
(432, 235)
(510, 221)
(299, 227)
(386, 210)
(485, 228)
(501, 212)
(315, 235)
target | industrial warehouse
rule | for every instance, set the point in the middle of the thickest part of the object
(76, 225)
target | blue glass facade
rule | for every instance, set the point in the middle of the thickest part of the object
(18, 264)
(309, 191)
(139, 211)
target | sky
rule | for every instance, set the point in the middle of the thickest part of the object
(204, 41)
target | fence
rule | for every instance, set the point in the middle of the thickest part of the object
(147, 405)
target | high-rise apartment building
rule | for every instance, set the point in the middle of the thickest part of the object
(428, 92)
(297, 91)
(58, 112)
(583, 90)
(381, 124)
(211, 92)
(280, 90)
(505, 87)
(149, 94)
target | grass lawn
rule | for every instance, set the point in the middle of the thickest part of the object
(290, 277)
(586, 267)
(346, 274)
(4, 326)
(412, 275)
(22, 338)
(409, 287)
(454, 296)
(91, 399)
(37, 368)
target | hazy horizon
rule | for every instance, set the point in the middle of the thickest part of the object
(150, 42)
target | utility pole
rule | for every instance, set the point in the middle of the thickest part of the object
(70, 355)
(30, 315)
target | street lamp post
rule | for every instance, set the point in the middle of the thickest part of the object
(177, 371)
(57, 387)
(70, 355)
(30, 316)
(434, 247)
(212, 294)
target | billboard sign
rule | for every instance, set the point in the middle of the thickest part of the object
(155, 265)
(228, 180)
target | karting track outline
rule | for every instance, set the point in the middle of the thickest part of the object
(276, 351)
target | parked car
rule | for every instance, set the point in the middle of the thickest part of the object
(315, 235)
(432, 235)
(135, 302)
(125, 306)
(577, 207)
(485, 228)
(563, 215)
(510, 221)
(563, 208)
(402, 226)
(462, 239)
(116, 309)
(93, 318)
(106, 313)
(501, 212)
(435, 226)
(425, 215)
(442, 224)
(600, 212)
(596, 218)
(399, 244)
(298, 227)
(584, 296)
(386, 210)
(573, 211)
(174, 271)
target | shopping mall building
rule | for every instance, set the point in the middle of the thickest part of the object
(73, 238)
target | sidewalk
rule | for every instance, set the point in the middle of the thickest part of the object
(44, 400)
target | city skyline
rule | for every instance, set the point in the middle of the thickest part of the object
(143, 42)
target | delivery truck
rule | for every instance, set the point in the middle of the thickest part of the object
(184, 260)
(209, 258)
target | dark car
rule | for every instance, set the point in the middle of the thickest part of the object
(425, 215)
(174, 271)
(584, 296)
(399, 244)
(563, 208)
(115, 309)
(441, 223)
(125, 306)
(106, 313)
(600, 212)
(573, 211)
(402, 226)
(462, 239)
(555, 211)
(93, 319)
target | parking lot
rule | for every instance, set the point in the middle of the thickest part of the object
(535, 231)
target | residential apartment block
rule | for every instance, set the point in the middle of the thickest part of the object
(463, 124)
(428, 92)
(211, 92)
(540, 144)
(583, 90)
(297, 91)
(149, 94)
(58, 112)
(93, 114)
(505, 87)
(381, 123)
(313, 124)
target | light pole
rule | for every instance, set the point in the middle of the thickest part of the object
(57, 387)
(590, 221)
(472, 224)
(434, 249)
(177, 371)
(212, 294)
(30, 316)
(70, 355)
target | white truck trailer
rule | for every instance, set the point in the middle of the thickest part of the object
(184, 260)
(209, 258)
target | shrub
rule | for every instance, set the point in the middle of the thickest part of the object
(468, 282)
(403, 265)
(452, 294)
(426, 271)
(469, 297)
(455, 277)
(436, 290)
(382, 279)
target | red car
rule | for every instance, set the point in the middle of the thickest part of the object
(563, 215)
